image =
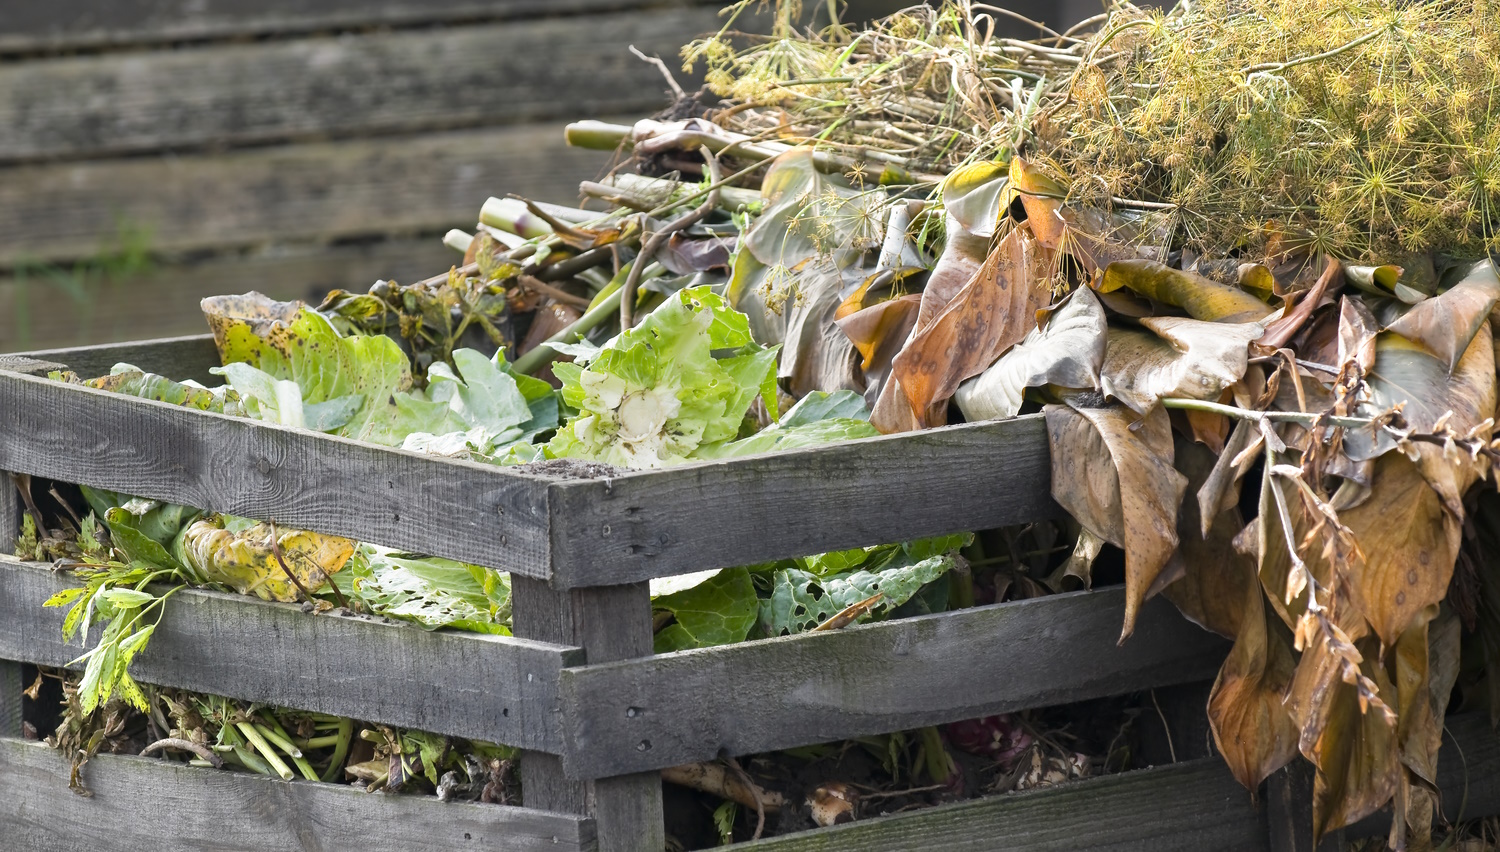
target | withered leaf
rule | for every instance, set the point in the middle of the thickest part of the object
(1215, 577)
(1175, 357)
(1201, 298)
(1282, 329)
(1354, 747)
(1408, 542)
(1067, 351)
(1120, 484)
(991, 314)
(1446, 324)
(1251, 727)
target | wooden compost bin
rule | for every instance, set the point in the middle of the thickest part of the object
(578, 687)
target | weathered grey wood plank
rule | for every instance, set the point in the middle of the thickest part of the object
(71, 24)
(179, 358)
(142, 803)
(470, 685)
(461, 510)
(380, 82)
(1192, 807)
(39, 312)
(891, 676)
(11, 684)
(743, 511)
(610, 623)
(325, 191)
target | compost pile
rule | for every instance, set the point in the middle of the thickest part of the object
(1236, 254)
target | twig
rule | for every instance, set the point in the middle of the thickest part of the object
(627, 291)
(539, 287)
(665, 71)
(1171, 749)
(184, 745)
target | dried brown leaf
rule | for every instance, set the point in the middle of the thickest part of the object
(1119, 483)
(1203, 299)
(1175, 357)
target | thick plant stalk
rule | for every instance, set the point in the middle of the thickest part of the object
(658, 239)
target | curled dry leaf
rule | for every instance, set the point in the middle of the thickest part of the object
(1067, 351)
(1119, 483)
(1215, 578)
(1252, 729)
(1281, 330)
(1176, 357)
(1203, 299)
(996, 310)
(1349, 737)
(1408, 545)
(1447, 323)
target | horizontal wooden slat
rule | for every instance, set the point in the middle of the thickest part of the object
(462, 510)
(40, 311)
(744, 511)
(677, 708)
(106, 23)
(141, 803)
(385, 187)
(179, 358)
(405, 81)
(462, 684)
(1191, 807)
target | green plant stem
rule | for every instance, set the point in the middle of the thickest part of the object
(283, 741)
(340, 750)
(265, 750)
(272, 734)
(315, 743)
(1305, 418)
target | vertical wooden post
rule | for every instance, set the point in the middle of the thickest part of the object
(609, 623)
(10, 672)
(1289, 810)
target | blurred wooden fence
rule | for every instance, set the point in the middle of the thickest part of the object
(156, 151)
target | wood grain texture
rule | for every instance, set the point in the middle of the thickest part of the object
(142, 803)
(40, 311)
(872, 679)
(738, 512)
(461, 510)
(610, 623)
(326, 191)
(113, 23)
(180, 358)
(470, 685)
(1191, 807)
(368, 84)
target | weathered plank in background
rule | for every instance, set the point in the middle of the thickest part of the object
(103, 23)
(179, 358)
(108, 23)
(469, 685)
(10, 672)
(610, 623)
(416, 185)
(368, 84)
(37, 310)
(462, 510)
(1192, 807)
(873, 679)
(142, 803)
(743, 511)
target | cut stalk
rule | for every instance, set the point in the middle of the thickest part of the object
(510, 214)
(340, 750)
(283, 741)
(458, 240)
(265, 750)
